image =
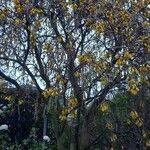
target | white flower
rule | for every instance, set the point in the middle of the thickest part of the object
(4, 107)
(46, 138)
(4, 127)
(1, 112)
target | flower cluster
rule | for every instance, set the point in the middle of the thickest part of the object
(35, 11)
(71, 111)
(3, 14)
(123, 59)
(133, 87)
(138, 120)
(63, 115)
(50, 92)
(60, 80)
(100, 27)
(104, 106)
(86, 58)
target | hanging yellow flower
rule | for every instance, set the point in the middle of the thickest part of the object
(64, 113)
(8, 98)
(134, 115)
(72, 101)
(60, 79)
(133, 89)
(100, 27)
(20, 8)
(104, 106)
(121, 61)
(86, 58)
(148, 143)
(109, 125)
(50, 92)
(113, 138)
(139, 122)
(36, 11)
(127, 55)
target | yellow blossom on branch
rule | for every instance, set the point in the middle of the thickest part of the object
(3, 14)
(109, 125)
(73, 114)
(63, 115)
(134, 115)
(36, 11)
(77, 74)
(104, 106)
(121, 61)
(133, 70)
(113, 138)
(20, 8)
(127, 55)
(86, 58)
(50, 92)
(100, 27)
(60, 80)
(72, 101)
(139, 122)
(104, 81)
(8, 98)
(147, 143)
(133, 89)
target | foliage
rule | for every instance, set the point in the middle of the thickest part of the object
(75, 56)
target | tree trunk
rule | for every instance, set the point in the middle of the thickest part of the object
(60, 145)
(87, 131)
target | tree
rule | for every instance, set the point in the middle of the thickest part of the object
(76, 53)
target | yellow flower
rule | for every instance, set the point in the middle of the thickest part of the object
(104, 106)
(133, 89)
(20, 8)
(3, 14)
(128, 122)
(99, 66)
(133, 70)
(35, 11)
(121, 61)
(139, 122)
(109, 126)
(74, 114)
(82, 2)
(148, 143)
(127, 55)
(47, 47)
(20, 102)
(19, 21)
(8, 98)
(92, 9)
(72, 101)
(16, 2)
(134, 115)
(145, 134)
(100, 27)
(113, 138)
(77, 74)
(86, 58)
(62, 118)
(104, 81)
(60, 80)
(50, 92)
(63, 115)
(144, 68)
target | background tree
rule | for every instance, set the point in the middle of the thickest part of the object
(77, 54)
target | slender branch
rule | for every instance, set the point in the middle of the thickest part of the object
(27, 69)
(9, 79)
